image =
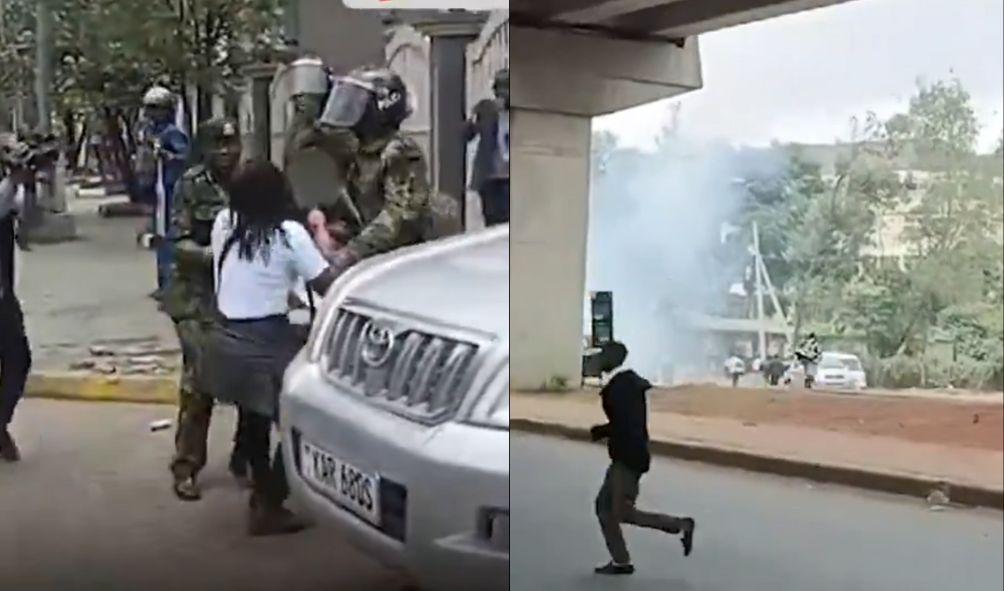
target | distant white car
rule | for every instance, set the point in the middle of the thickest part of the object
(841, 370)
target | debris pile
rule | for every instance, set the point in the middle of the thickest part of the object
(141, 360)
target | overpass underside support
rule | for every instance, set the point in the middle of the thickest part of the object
(561, 80)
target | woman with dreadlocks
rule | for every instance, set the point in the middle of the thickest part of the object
(262, 253)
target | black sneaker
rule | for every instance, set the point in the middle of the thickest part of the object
(264, 520)
(612, 568)
(8, 449)
(687, 539)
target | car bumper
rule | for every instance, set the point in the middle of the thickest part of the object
(840, 384)
(455, 479)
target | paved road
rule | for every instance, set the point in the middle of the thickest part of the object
(90, 509)
(756, 533)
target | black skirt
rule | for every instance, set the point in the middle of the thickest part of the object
(245, 362)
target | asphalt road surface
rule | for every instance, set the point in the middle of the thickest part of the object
(755, 532)
(90, 509)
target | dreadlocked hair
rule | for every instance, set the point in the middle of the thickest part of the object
(261, 199)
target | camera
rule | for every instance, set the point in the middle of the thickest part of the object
(30, 153)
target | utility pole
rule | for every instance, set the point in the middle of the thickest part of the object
(43, 64)
(758, 264)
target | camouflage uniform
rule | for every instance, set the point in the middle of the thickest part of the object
(386, 199)
(191, 303)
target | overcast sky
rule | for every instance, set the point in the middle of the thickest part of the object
(801, 77)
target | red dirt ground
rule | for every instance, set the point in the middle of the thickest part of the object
(947, 422)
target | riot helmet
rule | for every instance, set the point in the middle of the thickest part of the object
(370, 101)
(159, 103)
(501, 85)
(219, 146)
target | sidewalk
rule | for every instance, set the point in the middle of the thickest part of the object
(974, 475)
(91, 293)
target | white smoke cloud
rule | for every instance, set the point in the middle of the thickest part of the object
(657, 223)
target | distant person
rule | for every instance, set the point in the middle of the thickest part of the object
(735, 367)
(626, 433)
(262, 252)
(15, 351)
(490, 177)
(809, 355)
(773, 370)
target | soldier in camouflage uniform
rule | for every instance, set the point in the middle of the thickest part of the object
(190, 300)
(385, 202)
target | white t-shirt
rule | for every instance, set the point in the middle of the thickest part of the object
(247, 290)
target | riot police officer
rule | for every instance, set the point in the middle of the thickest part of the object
(190, 297)
(170, 147)
(385, 200)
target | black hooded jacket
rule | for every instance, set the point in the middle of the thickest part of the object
(626, 432)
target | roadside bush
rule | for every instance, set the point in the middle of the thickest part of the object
(899, 371)
(903, 371)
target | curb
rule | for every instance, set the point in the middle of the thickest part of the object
(91, 388)
(902, 484)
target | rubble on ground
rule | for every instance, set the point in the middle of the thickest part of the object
(135, 360)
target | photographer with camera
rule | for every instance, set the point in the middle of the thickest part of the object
(16, 175)
(809, 355)
(170, 147)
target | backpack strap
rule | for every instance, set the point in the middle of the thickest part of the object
(227, 247)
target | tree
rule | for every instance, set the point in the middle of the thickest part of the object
(955, 230)
(941, 119)
(815, 227)
(17, 35)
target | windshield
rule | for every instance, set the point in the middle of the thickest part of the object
(852, 363)
(849, 363)
(831, 362)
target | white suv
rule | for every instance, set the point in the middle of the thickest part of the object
(395, 416)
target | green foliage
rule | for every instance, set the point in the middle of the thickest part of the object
(817, 230)
(108, 52)
(941, 118)
(16, 57)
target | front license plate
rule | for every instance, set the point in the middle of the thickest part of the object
(350, 487)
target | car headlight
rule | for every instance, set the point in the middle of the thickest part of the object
(492, 410)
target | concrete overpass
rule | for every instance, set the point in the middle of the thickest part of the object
(574, 60)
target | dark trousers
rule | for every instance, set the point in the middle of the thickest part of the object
(268, 475)
(15, 357)
(15, 352)
(615, 504)
(495, 201)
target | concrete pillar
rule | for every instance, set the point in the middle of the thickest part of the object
(259, 78)
(547, 268)
(560, 80)
(449, 87)
(449, 36)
